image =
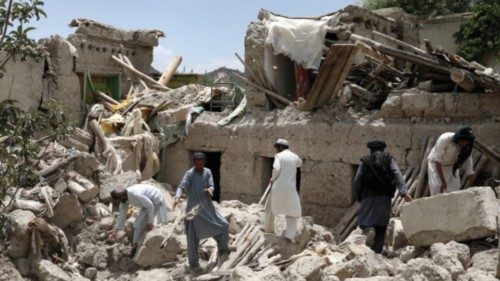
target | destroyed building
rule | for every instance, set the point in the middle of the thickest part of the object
(332, 137)
(360, 75)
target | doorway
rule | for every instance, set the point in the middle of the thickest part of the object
(266, 172)
(213, 163)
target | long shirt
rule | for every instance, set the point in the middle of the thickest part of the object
(208, 222)
(284, 197)
(143, 196)
(376, 210)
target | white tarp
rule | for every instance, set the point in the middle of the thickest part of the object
(302, 40)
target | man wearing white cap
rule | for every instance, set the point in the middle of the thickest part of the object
(284, 196)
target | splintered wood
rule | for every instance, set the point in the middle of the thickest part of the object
(332, 74)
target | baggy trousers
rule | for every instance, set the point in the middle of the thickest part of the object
(193, 242)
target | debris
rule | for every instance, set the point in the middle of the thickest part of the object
(463, 215)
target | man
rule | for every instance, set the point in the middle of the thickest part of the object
(285, 185)
(451, 152)
(198, 183)
(376, 180)
(146, 197)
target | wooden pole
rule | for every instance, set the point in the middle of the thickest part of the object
(56, 166)
(269, 93)
(400, 43)
(491, 152)
(169, 71)
(105, 97)
(138, 73)
(463, 79)
(264, 196)
(361, 92)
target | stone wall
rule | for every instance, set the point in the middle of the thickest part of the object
(22, 82)
(331, 153)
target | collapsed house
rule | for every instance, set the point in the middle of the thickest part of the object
(352, 94)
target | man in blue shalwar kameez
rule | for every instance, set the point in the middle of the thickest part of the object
(198, 184)
(376, 180)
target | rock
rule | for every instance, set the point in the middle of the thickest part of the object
(47, 271)
(270, 273)
(396, 236)
(9, 272)
(370, 264)
(321, 233)
(486, 260)
(463, 215)
(423, 269)
(122, 180)
(392, 107)
(243, 273)
(23, 266)
(301, 239)
(90, 273)
(86, 164)
(67, 210)
(475, 276)
(107, 223)
(92, 255)
(376, 278)
(308, 268)
(156, 274)
(19, 234)
(150, 253)
(453, 256)
(329, 274)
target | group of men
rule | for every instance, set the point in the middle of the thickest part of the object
(376, 180)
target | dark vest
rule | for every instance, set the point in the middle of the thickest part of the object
(381, 184)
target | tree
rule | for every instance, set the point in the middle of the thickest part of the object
(24, 134)
(14, 41)
(427, 8)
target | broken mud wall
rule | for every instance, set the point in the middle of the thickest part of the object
(22, 82)
(331, 151)
(280, 69)
(90, 49)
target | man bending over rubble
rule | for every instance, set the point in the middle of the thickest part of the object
(376, 180)
(149, 199)
(199, 186)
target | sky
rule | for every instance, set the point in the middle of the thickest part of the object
(206, 33)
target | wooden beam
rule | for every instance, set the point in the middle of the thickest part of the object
(491, 152)
(332, 74)
(169, 71)
(55, 167)
(400, 43)
(463, 79)
(346, 219)
(361, 92)
(266, 91)
(138, 73)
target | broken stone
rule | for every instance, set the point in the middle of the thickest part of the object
(150, 253)
(305, 268)
(461, 215)
(107, 223)
(475, 276)
(271, 273)
(376, 278)
(423, 269)
(366, 265)
(486, 260)
(19, 234)
(90, 273)
(156, 274)
(86, 164)
(67, 210)
(453, 256)
(92, 255)
(47, 271)
(395, 234)
(243, 273)
(9, 272)
(123, 180)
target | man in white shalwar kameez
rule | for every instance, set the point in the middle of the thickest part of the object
(284, 196)
(151, 202)
(451, 152)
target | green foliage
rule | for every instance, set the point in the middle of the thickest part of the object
(427, 8)
(22, 138)
(481, 33)
(14, 40)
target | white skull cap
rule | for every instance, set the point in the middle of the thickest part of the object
(282, 142)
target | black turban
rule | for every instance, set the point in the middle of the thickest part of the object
(376, 145)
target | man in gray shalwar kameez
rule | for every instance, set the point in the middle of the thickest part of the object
(198, 183)
(376, 180)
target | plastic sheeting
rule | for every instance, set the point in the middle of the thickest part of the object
(302, 40)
